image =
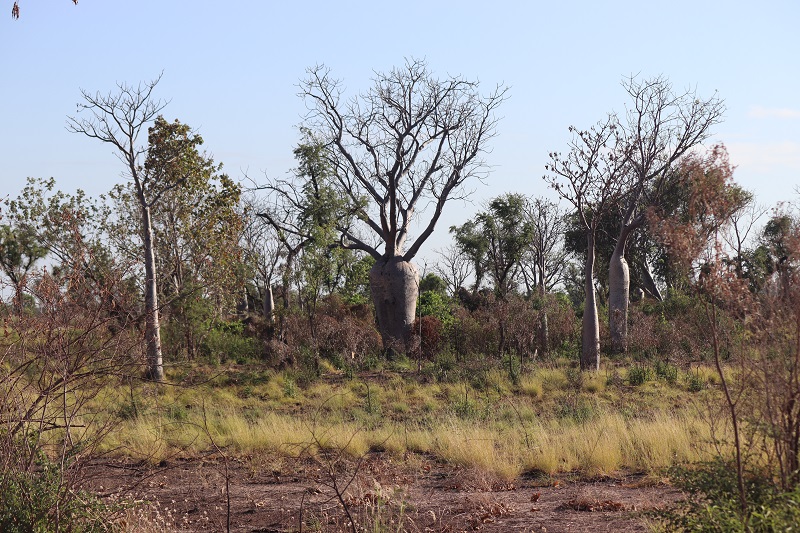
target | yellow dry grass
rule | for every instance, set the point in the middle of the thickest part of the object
(502, 429)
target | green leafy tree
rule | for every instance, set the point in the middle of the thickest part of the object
(196, 229)
(497, 239)
(303, 212)
(19, 252)
(432, 283)
(42, 222)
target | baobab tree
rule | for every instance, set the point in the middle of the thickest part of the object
(592, 177)
(661, 126)
(408, 143)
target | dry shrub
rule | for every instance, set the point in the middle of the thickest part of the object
(55, 358)
(562, 323)
(521, 323)
(347, 336)
(487, 325)
(336, 330)
(473, 332)
(432, 336)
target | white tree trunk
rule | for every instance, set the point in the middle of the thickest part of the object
(590, 333)
(394, 284)
(155, 366)
(619, 282)
(268, 305)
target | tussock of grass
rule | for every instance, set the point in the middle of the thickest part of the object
(609, 442)
(531, 386)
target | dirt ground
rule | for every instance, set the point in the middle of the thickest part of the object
(415, 494)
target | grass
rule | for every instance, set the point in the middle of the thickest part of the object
(551, 421)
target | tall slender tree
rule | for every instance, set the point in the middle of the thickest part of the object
(119, 118)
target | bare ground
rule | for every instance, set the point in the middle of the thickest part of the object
(414, 494)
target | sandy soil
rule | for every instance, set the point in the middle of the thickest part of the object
(416, 494)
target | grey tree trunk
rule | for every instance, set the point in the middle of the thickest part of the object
(394, 284)
(155, 366)
(619, 281)
(590, 336)
(619, 288)
(544, 335)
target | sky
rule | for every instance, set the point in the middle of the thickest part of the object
(231, 71)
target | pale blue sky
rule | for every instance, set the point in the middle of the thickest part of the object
(231, 71)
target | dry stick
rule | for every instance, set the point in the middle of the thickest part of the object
(227, 476)
(330, 467)
(300, 514)
(711, 313)
(521, 422)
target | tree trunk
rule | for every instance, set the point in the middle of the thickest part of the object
(619, 282)
(268, 305)
(544, 326)
(394, 284)
(152, 334)
(590, 336)
(19, 298)
(649, 284)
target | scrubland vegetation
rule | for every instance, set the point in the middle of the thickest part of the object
(180, 317)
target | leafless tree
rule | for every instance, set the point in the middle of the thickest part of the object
(592, 177)
(15, 9)
(454, 267)
(118, 118)
(261, 253)
(740, 232)
(542, 268)
(408, 143)
(661, 126)
(543, 265)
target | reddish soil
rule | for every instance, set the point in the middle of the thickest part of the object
(413, 495)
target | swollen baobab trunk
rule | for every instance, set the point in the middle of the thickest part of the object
(394, 284)
(590, 346)
(619, 282)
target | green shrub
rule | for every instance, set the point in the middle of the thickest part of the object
(226, 341)
(578, 411)
(512, 367)
(38, 501)
(639, 375)
(437, 305)
(695, 382)
(714, 506)
(667, 372)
